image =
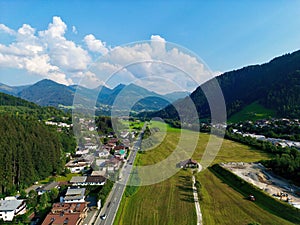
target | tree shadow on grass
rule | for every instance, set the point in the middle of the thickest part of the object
(185, 189)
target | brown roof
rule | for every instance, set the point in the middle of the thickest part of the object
(188, 161)
(68, 207)
(113, 140)
(95, 179)
(66, 214)
(63, 219)
(119, 147)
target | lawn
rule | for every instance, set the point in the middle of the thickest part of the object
(132, 125)
(254, 111)
(170, 201)
(58, 178)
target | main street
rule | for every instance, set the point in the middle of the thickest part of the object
(111, 206)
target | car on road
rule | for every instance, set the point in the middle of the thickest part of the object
(103, 217)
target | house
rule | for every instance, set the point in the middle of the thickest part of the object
(91, 146)
(189, 163)
(120, 153)
(88, 180)
(119, 147)
(66, 213)
(11, 207)
(100, 162)
(74, 195)
(78, 165)
(124, 134)
(47, 187)
(78, 180)
(104, 154)
(95, 180)
(81, 152)
(98, 173)
(113, 164)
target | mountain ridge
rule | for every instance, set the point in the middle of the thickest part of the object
(50, 93)
(266, 83)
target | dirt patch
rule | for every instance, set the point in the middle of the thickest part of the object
(258, 175)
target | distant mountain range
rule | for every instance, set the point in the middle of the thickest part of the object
(274, 85)
(49, 93)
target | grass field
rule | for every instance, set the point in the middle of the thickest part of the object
(223, 205)
(254, 111)
(170, 201)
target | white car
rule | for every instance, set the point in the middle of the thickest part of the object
(103, 217)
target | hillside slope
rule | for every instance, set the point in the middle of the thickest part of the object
(275, 85)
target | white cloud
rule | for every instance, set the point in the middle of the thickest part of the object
(141, 62)
(74, 30)
(64, 53)
(56, 29)
(48, 53)
(7, 29)
(157, 38)
(95, 45)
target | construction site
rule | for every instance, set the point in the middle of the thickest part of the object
(266, 180)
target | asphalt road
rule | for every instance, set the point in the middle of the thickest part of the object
(111, 206)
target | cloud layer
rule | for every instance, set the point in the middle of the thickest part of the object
(49, 54)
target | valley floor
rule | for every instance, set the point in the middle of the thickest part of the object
(172, 201)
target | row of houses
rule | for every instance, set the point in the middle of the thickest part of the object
(275, 141)
(11, 206)
(72, 208)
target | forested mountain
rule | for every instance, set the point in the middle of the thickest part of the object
(29, 151)
(274, 84)
(136, 98)
(17, 106)
(50, 93)
(9, 100)
(11, 90)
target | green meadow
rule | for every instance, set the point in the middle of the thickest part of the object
(252, 112)
(171, 201)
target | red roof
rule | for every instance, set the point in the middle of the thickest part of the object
(66, 214)
(67, 219)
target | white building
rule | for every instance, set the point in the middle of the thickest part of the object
(11, 207)
(104, 154)
(74, 195)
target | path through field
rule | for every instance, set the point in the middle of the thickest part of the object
(197, 205)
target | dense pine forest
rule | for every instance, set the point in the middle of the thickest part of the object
(29, 152)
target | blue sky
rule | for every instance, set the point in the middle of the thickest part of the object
(225, 34)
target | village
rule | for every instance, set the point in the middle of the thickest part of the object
(93, 163)
(281, 132)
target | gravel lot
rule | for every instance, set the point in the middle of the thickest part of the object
(258, 175)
